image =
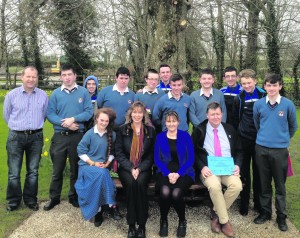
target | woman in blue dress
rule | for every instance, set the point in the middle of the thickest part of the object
(94, 185)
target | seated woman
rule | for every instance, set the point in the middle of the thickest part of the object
(94, 185)
(174, 158)
(134, 152)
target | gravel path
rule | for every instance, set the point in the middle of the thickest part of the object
(66, 221)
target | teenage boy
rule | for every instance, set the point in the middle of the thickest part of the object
(204, 96)
(69, 108)
(276, 123)
(175, 100)
(91, 84)
(149, 95)
(242, 113)
(118, 96)
(24, 112)
(164, 74)
(231, 90)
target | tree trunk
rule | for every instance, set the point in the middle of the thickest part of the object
(296, 79)
(272, 39)
(251, 59)
(170, 41)
(138, 48)
(3, 43)
(4, 51)
(34, 45)
(165, 41)
(218, 36)
(22, 34)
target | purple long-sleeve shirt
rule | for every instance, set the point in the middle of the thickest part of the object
(25, 111)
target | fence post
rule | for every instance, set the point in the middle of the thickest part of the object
(15, 80)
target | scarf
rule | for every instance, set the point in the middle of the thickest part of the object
(137, 145)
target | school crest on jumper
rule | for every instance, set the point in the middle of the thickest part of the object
(281, 113)
(185, 105)
(129, 101)
(80, 100)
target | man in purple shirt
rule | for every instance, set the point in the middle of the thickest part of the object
(24, 112)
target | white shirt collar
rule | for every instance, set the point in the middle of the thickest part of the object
(146, 91)
(115, 88)
(278, 99)
(63, 87)
(201, 92)
(209, 126)
(170, 95)
(97, 132)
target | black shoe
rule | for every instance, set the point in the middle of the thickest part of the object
(141, 232)
(33, 206)
(74, 202)
(52, 203)
(98, 219)
(262, 218)
(131, 232)
(281, 221)
(163, 231)
(181, 230)
(244, 210)
(116, 215)
(11, 208)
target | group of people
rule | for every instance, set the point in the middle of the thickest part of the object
(150, 129)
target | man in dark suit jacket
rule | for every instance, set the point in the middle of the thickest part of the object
(214, 138)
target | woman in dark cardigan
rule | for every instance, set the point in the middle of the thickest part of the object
(134, 152)
(174, 158)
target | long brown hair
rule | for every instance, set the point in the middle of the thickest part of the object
(137, 104)
(111, 116)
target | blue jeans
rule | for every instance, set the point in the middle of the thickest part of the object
(18, 143)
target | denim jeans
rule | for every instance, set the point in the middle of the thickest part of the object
(16, 145)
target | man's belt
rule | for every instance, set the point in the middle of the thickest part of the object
(29, 132)
(66, 133)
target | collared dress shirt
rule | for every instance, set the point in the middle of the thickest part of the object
(209, 141)
(25, 111)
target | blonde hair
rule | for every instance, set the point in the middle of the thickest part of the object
(247, 73)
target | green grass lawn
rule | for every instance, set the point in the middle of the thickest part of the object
(9, 221)
(293, 183)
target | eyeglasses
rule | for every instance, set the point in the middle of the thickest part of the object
(230, 76)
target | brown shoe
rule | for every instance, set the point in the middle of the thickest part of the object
(227, 229)
(215, 225)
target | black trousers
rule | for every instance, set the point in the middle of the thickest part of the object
(63, 147)
(172, 194)
(272, 163)
(249, 153)
(136, 196)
